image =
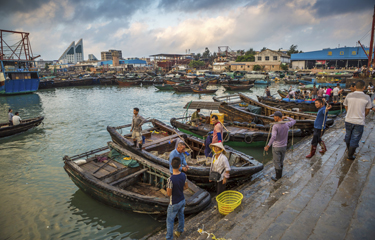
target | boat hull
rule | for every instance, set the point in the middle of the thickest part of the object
(23, 127)
(19, 86)
(198, 174)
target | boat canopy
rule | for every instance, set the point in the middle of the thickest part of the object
(203, 105)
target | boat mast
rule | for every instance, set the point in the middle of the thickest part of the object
(371, 41)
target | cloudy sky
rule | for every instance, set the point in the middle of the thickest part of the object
(143, 27)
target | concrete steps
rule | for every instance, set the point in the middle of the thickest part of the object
(326, 197)
(251, 211)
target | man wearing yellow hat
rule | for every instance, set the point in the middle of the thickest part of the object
(220, 165)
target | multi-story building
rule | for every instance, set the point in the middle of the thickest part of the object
(105, 56)
(73, 54)
(92, 57)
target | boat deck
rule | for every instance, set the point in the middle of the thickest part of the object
(325, 197)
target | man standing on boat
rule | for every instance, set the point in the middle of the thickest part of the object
(319, 127)
(335, 93)
(195, 118)
(357, 105)
(137, 128)
(218, 130)
(279, 142)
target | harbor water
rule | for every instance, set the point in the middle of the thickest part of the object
(38, 200)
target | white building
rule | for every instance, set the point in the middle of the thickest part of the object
(73, 54)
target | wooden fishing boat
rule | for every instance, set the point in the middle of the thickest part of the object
(137, 185)
(236, 134)
(213, 81)
(233, 112)
(237, 87)
(81, 82)
(61, 83)
(197, 90)
(261, 81)
(282, 94)
(6, 130)
(160, 140)
(291, 81)
(127, 83)
(188, 88)
(240, 81)
(164, 87)
(305, 106)
(173, 81)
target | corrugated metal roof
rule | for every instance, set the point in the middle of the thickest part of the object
(203, 105)
(344, 53)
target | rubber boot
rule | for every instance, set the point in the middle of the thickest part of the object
(279, 173)
(312, 152)
(135, 144)
(351, 152)
(323, 146)
(140, 146)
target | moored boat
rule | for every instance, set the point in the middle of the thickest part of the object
(303, 106)
(134, 184)
(6, 130)
(235, 134)
(233, 112)
(262, 81)
(237, 87)
(127, 83)
(197, 90)
(164, 87)
(160, 140)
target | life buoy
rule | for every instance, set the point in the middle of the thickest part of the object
(248, 138)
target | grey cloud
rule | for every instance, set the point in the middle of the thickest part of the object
(196, 5)
(326, 8)
(84, 11)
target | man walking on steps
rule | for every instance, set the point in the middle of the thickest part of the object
(357, 105)
(319, 127)
(137, 128)
(279, 142)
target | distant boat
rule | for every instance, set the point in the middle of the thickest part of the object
(262, 82)
(6, 130)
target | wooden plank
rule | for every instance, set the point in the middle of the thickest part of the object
(129, 177)
(161, 140)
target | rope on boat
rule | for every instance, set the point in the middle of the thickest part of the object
(201, 232)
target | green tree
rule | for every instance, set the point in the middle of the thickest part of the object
(197, 57)
(206, 53)
(284, 66)
(196, 63)
(293, 49)
(46, 66)
(250, 52)
(257, 68)
(263, 49)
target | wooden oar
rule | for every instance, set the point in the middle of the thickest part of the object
(102, 166)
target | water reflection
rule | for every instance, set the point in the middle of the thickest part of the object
(108, 221)
(28, 105)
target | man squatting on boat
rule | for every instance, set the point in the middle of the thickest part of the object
(279, 142)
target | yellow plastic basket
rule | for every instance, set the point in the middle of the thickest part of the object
(228, 200)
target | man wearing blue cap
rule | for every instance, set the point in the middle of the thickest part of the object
(279, 142)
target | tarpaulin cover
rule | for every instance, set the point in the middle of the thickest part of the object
(118, 157)
(254, 109)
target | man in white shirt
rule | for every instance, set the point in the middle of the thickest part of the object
(357, 105)
(16, 119)
(335, 92)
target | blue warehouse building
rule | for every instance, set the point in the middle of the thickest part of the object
(332, 58)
